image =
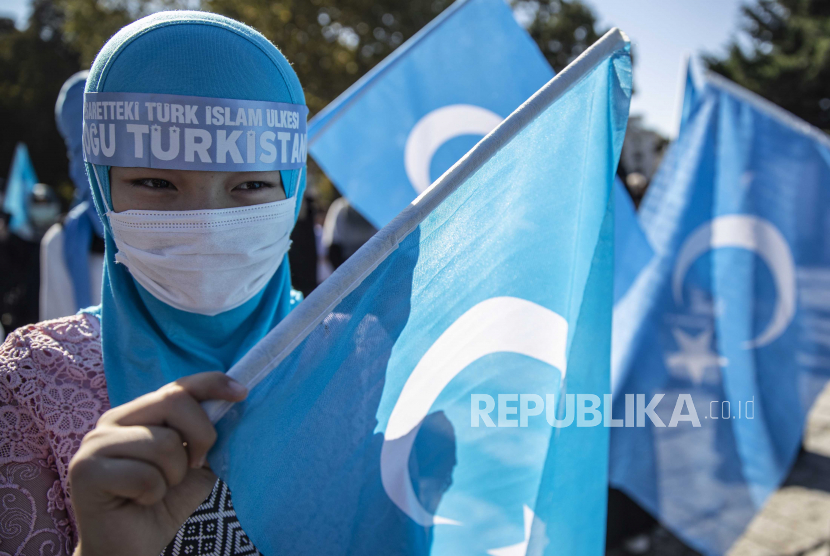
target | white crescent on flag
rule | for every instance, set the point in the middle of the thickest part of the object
(498, 324)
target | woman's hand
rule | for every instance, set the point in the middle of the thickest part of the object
(139, 474)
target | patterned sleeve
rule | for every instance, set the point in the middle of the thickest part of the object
(34, 520)
(52, 392)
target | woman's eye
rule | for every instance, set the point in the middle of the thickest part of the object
(154, 183)
(253, 185)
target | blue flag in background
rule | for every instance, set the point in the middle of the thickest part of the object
(21, 181)
(734, 310)
(384, 140)
(632, 251)
(691, 91)
(632, 255)
(359, 437)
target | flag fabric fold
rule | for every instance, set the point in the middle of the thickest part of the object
(359, 433)
(389, 136)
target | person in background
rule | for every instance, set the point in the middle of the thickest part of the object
(303, 253)
(29, 209)
(19, 258)
(636, 183)
(324, 268)
(344, 232)
(72, 252)
(44, 210)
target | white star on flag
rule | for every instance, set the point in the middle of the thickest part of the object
(695, 355)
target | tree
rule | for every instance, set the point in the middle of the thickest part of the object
(331, 43)
(90, 23)
(788, 60)
(34, 64)
(561, 29)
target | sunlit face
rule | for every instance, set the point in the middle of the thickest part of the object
(151, 189)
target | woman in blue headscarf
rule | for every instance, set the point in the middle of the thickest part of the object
(195, 147)
(72, 251)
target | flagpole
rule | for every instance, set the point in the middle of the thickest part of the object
(269, 352)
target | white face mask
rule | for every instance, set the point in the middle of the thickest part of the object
(44, 215)
(204, 261)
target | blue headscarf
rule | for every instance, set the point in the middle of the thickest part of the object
(82, 221)
(146, 342)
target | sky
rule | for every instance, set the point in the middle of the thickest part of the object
(662, 32)
(16, 9)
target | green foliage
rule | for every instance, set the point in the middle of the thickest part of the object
(331, 44)
(788, 60)
(90, 23)
(561, 29)
(33, 66)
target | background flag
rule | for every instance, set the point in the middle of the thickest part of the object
(389, 136)
(21, 181)
(632, 254)
(358, 435)
(733, 309)
(631, 249)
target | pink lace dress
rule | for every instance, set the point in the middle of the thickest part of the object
(52, 392)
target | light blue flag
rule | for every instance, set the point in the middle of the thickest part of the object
(21, 181)
(733, 311)
(691, 91)
(632, 251)
(632, 255)
(359, 435)
(384, 140)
